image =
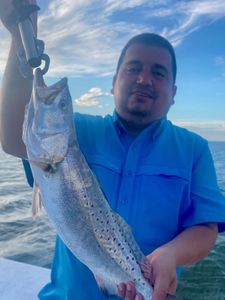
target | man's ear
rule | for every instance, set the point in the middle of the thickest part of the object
(113, 84)
(174, 93)
(174, 90)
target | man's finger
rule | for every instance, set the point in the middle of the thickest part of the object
(139, 297)
(159, 295)
(127, 291)
(159, 291)
(121, 290)
(130, 291)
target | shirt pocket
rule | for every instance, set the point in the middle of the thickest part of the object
(162, 192)
(108, 172)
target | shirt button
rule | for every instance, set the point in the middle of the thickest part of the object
(128, 173)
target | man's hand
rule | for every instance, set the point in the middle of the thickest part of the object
(6, 8)
(190, 246)
(128, 292)
(163, 277)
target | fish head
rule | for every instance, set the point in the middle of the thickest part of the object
(48, 123)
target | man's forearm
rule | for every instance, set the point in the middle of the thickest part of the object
(193, 244)
(15, 93)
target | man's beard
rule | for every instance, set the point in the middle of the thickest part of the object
(138, 113)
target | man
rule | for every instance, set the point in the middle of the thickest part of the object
(160, 178)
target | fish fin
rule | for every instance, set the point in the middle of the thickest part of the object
(51, 168)
(36, 203)
(39, 164)
(101, 285)
(127, 232)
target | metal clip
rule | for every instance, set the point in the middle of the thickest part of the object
(46, 59)
(32, 53)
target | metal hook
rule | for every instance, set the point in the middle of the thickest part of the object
(46, 59)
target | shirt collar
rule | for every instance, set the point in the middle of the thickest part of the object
(153, 129)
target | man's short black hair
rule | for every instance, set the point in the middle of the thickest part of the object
(150, 39)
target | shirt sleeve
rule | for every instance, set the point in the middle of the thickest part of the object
(28, 172)
(207, 203)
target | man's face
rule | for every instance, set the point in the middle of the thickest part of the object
(143, 88)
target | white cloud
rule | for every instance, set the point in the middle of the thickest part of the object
(91, 98)
(86, 37)
(187, 17)
(219, 60)
(211, 130)
(217, 124)
(112, 6)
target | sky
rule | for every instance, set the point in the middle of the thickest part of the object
(84, 38)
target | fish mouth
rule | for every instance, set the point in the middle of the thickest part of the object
(39, 81)
(47, 93)
(38, 78)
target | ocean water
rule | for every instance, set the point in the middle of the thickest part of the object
(32, 241)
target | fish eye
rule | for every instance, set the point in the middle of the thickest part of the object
(63, 104)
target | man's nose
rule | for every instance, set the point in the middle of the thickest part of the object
(144, 78)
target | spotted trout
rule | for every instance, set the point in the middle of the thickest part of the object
(71, 194)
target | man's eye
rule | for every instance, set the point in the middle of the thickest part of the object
(159, 74)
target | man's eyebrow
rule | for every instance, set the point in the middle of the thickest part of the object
(133, 62)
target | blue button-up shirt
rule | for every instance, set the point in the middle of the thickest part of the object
(161, 182)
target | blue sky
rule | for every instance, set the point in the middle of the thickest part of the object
(84, 38)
